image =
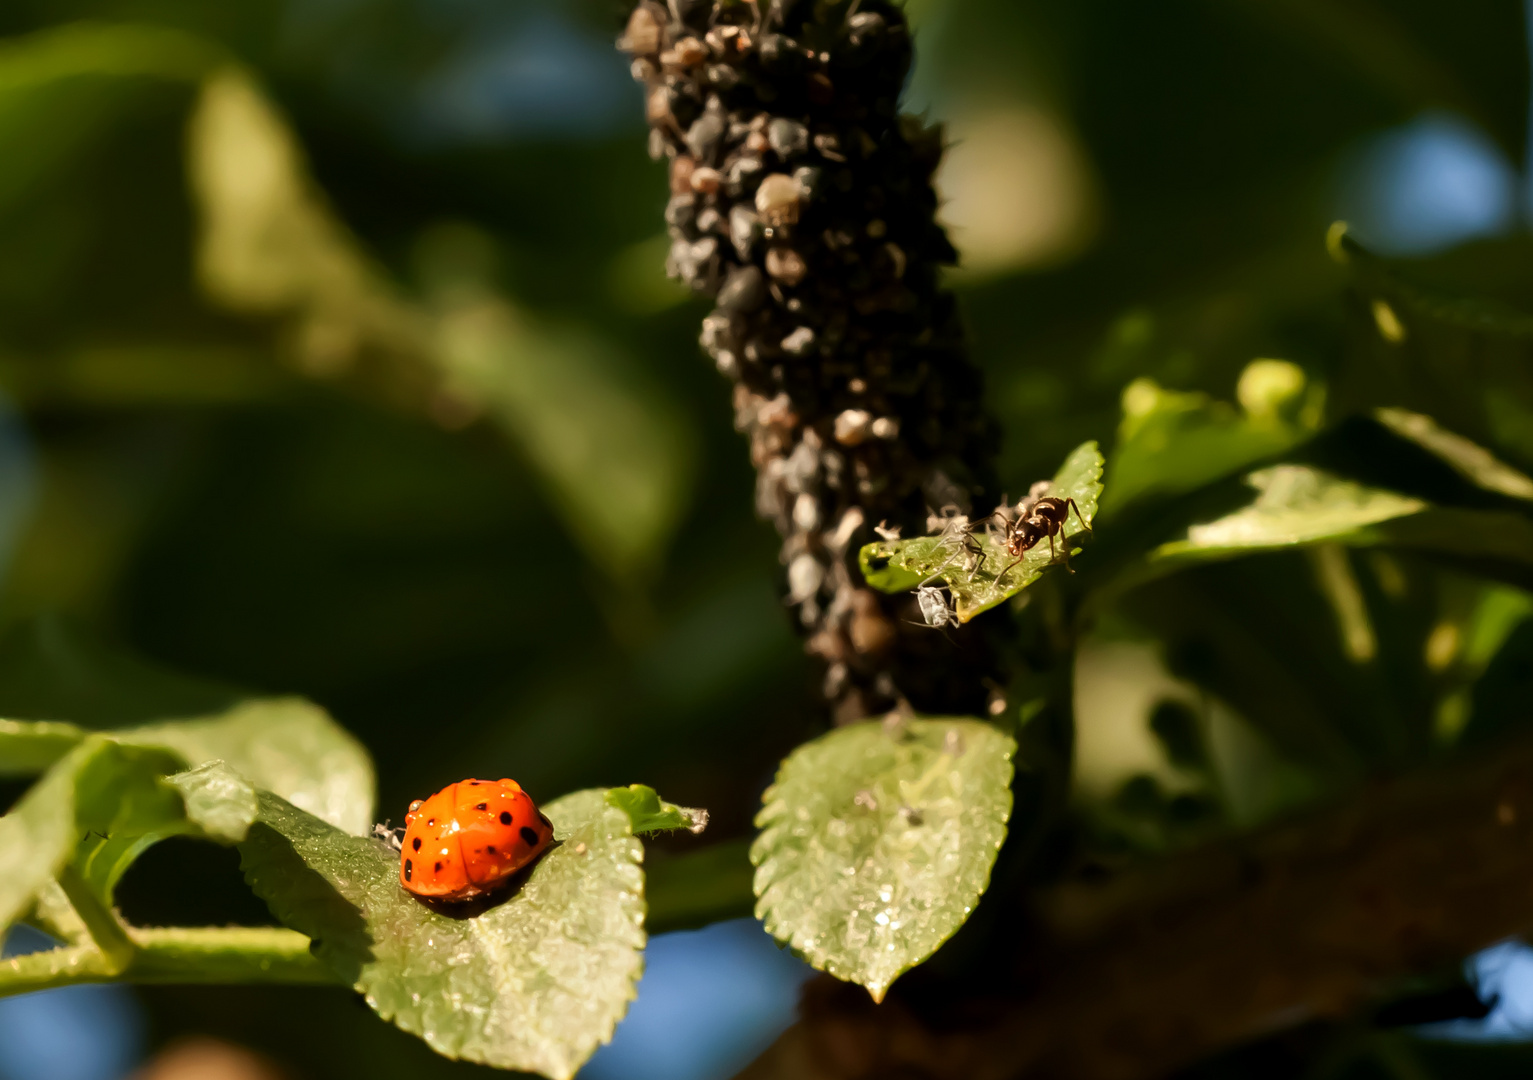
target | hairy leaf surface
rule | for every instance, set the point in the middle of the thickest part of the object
(877, 841)
(533, 980)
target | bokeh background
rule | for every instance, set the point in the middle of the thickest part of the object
(337, 359)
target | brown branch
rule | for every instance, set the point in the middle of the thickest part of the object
(1152, 970)
(802, 204)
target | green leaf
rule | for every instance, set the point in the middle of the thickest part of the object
(62, 88)
(1483, 314)
(613, 449)
(101, 804)
(218, 801)
(535, 982)
(285, 745)
(1171, 442)
(877, 842)
(1497, 545)
(28, 747)
(1470, 460)
(648, 813)
(901, 565)
(1295, 505)
(125, 820)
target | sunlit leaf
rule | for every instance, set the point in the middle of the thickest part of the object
(536, 980)
(285, 745)
(29, 747)
(978, 585)
(877, 841)
(123, 820)
(648, 813)
(1172, 441)
(1295, 505)
(100, 804)
(219, 801)
(1470, 460)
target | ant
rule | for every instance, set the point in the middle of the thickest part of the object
(1037, 516)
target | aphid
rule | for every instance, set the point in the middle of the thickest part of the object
(644, 34)
(777, 200)
(389, 835)
(469, 838)
(957, 535)
(934, 607)
(786, 265)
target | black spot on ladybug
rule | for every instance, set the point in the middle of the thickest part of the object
(491, 849)
(473, 783)
(431, 821)
(408, 869)
(529, 837)
(438, 868)
(482, 806)
(416, 844)
(505, 817)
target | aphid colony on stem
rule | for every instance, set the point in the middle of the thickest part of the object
(802, 202)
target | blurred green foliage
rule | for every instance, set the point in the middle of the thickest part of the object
(333, 371)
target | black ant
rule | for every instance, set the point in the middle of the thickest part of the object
(1037, 516)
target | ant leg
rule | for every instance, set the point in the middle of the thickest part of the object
(1070, 505)
(1002, 575)
(974, 547)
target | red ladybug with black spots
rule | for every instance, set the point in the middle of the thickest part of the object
(468, 838)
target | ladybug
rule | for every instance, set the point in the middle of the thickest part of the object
(468, 838)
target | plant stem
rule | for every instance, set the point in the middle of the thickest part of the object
(222, 955)
(226, 954)
(106, 930)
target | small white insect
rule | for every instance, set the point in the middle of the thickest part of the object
(934, 607)
(956, 535)
(394, 838)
